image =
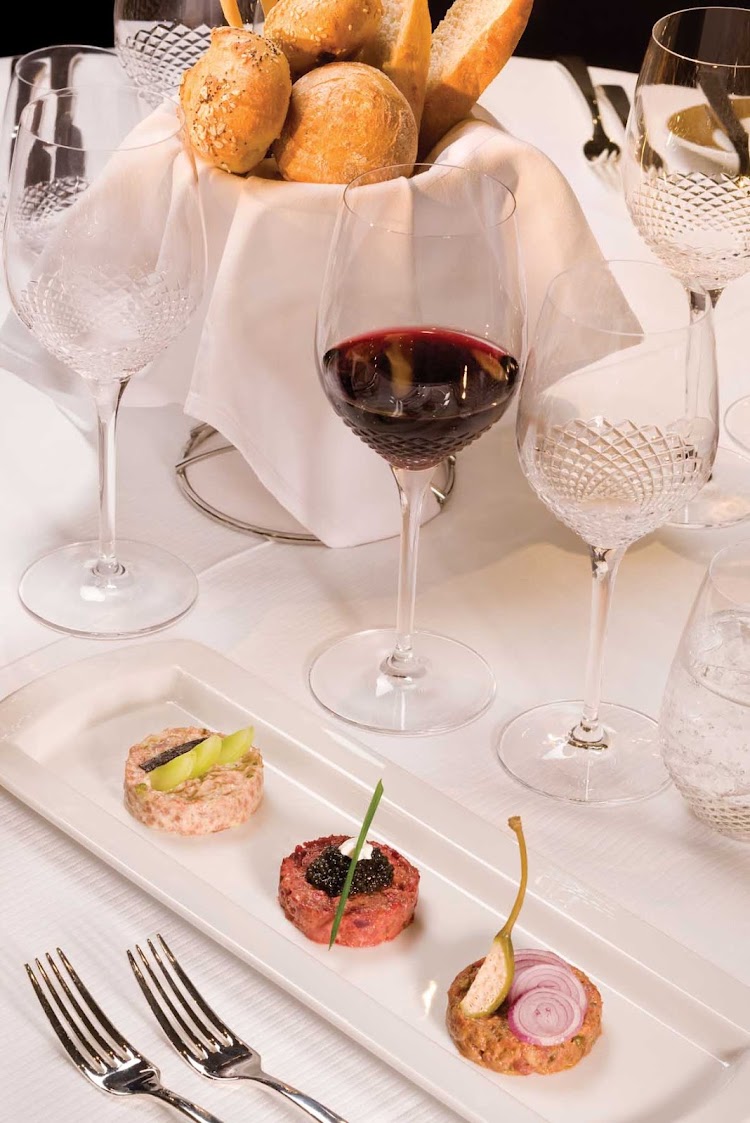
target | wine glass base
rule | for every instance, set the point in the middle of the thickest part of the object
(534, 749)
(456, 685)
(724, 500)
(153, 590)
(737, 421)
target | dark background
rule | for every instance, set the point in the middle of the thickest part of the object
(606, 32)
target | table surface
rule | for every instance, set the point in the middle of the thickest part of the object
(496, 570)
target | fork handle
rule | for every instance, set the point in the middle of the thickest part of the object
(187, 1107)
(307, 1104)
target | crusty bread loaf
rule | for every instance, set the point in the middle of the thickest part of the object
(314, 32)
(470, 46)
(235, 98)
(401, 48)
(344, 119)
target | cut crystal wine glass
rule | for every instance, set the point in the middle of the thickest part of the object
(420, 341)
(686, 173)
(157, 40)
(617, 429)
(57, 67)
(105, 258)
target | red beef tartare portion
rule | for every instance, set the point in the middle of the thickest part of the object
(370, 917)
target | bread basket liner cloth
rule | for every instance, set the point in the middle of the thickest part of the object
(246, 363)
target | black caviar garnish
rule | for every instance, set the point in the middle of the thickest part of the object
(328, 872)
(170, 754)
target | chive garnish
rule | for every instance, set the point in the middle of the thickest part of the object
(369, 816)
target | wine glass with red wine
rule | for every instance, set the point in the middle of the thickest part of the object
(420, 342)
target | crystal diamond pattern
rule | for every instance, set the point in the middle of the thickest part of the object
(104, 323)
(41, 205)
(156, 57)
(612, 484)
(698, 224)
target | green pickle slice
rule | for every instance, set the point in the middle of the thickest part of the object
(206, 755)
(174, 772)
(200, 760)
(234, 747)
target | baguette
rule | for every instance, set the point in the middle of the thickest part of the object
(401, 48)
(470, 46)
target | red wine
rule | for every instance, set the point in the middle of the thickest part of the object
(416, 395)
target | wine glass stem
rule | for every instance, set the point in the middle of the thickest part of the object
(107, 397)
(590, 733)
(412, 489)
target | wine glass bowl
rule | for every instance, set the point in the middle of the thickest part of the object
(59, 66)
(704, 713)
(157, 40)
(617, 429)
(105, 264)
(686, 175)
(420, 340)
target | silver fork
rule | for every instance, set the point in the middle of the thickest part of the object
(599, 149)
(200, 1036)
(95, 1046)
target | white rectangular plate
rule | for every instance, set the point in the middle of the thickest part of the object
(676, 1040)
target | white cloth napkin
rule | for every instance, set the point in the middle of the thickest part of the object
(246, 364)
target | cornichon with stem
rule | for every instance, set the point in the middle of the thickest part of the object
(493, 979)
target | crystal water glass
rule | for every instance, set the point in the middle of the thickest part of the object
(686, 173)
(705, 715)
(617, 430)
(157, 40)
(105, 263)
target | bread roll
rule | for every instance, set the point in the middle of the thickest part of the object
(401, 48)
(235, 98)
(314, 32)
(344, 119)
(470, 46)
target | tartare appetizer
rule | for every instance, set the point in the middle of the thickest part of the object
(356, 893)
(518, 1012)
(192, 781)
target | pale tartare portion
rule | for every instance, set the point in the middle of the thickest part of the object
(225, 796)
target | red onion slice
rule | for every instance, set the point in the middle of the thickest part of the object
(545, 1017)
(526, 956)
(547, 976)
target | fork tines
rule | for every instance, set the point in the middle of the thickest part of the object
(182, 1012)
(84, 1030)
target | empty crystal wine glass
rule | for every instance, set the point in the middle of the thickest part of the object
(105, 258)
(157, 40)
(420, 340)
(705, 712)
(617, 429)
(686, 173)
(59, 66)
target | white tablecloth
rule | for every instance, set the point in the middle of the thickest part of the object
(496, 570)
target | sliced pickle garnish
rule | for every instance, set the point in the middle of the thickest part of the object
(173, 773)
(234, 747)
(195, 759)
(207, 754)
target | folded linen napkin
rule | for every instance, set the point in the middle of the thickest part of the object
(246, 364)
